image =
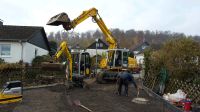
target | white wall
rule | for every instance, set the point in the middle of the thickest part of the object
(28, 52)
(92, 52)
(140, 58)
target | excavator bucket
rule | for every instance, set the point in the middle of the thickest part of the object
(59, 19)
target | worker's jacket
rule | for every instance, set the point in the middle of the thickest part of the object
(127, 76)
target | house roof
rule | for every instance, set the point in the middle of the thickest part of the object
(141, 47)
(93, 45)
(21, 33)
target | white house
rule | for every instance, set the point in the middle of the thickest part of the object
(97, 47)
(139, 52)
(22, 43)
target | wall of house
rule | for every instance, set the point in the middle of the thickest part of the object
(140, 58)
(15, 52)
(93, 51)
(29, 52)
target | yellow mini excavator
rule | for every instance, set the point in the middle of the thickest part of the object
(116, 60)
(77, 63)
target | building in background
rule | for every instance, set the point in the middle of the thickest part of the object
(1, 22)
(22, 43)
(98, 45)
(139, 52)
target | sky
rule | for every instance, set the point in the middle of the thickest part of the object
(181, 16)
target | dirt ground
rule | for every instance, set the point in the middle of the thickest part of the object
(99, 98)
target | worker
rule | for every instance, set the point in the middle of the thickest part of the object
(163, 78)
(124, 78)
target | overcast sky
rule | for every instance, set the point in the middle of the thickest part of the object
(165, 15)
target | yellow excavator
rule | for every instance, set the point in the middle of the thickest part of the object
(77, 64)
(116, 60)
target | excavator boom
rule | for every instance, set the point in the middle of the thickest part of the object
(64, 49)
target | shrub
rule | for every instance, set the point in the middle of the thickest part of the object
(39, 59)
(9, 67)
(2, 61)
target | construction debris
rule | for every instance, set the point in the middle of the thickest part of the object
(176, 97)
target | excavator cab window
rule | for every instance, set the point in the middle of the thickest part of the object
(125, 59)
(118, 58)
(75, 58)
(82, 64)
(85, 63)
(131, 54)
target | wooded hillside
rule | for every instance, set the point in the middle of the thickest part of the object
(126, 39)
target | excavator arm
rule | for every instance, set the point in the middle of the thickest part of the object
(94, 14)
(63, 19)
(64, 49)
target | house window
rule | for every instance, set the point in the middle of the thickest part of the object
(5, 49)
(97, 45)
(101, 45)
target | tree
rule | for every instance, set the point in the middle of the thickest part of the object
(51, 36)
(2, 61)
(58, 37)
(97, 34)
(53, 46)
(180, 56)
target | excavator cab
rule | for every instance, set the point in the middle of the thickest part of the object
(81, 63)
(80, 67)
(119, 58)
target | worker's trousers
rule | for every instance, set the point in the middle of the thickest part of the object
(161, 88)
(124, 82)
